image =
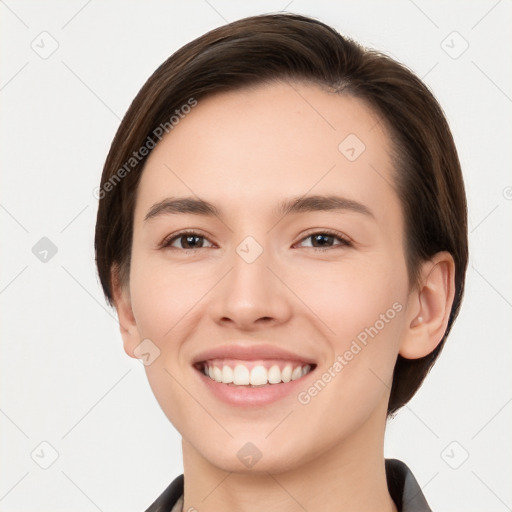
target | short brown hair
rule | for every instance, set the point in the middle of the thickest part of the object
(263, 49)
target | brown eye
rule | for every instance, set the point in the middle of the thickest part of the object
(323, 240)
(188, 240)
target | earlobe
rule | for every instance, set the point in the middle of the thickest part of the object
(429, 307)
(127, 323)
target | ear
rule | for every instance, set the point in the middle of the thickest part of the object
(127, 323)
(429, 307)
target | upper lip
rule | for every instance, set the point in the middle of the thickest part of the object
(250, 353)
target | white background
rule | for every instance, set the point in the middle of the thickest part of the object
(65, 379)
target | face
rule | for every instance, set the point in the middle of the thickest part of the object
(322, 283)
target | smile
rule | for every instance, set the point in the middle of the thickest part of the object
(254, 383)
(254, 373)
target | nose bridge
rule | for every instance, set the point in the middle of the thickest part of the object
(249, 279)
(251, 291)
(250, 263)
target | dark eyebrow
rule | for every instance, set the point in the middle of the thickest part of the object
(182, 205)
(321, 203)
(302, 204)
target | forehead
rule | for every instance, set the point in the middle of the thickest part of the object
(250, 147)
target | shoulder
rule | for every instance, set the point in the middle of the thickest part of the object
(404, 489)
(169, 497)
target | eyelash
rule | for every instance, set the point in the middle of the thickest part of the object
(345, 242)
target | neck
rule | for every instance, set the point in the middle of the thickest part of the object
(349, 476)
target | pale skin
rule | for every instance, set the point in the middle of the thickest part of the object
(245, 151)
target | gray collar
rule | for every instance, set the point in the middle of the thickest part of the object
(403, 488)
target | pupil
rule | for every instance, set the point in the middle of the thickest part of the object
(189, 239)
(322, 237)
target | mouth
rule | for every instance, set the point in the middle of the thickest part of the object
(254, 373)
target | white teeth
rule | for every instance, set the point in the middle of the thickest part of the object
(274, 375)
(258, 376)
(217, 374)
(297, 373)
(286, 374)
(227, 374)
(241, 375)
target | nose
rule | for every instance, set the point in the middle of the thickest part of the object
(251, 294)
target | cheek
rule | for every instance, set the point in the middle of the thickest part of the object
(365, 317)
(163, 297)
(362, 309)
(163, 305)
(355, 297)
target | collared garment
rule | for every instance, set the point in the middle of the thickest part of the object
(403, 488)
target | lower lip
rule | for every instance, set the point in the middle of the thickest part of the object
(246, 396)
